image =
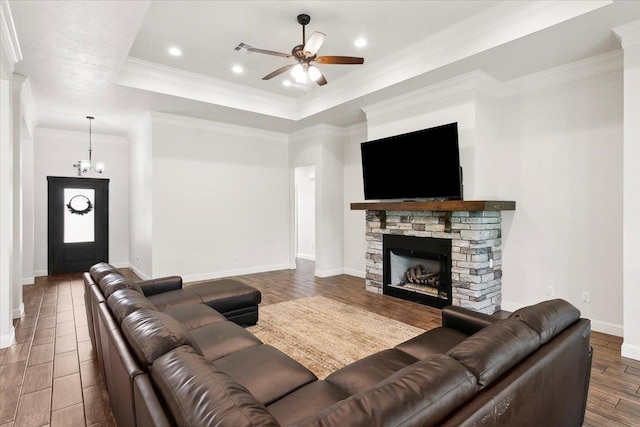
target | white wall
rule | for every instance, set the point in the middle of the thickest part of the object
(565, 172)
(354, 221)
(555, 150)
(220, 199)
(140, 198)
(305, 183)
(323, 146)
(55, 152)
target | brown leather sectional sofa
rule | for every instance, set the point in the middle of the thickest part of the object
(187, 365)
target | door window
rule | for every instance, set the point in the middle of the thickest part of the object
(79, 215)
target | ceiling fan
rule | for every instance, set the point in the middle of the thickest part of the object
(304, 54)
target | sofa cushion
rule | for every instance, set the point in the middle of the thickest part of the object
(495, 349)
(421, 394)
(125, 301)
(305, 401)
(367, 372)
(170, 299)
(434, 341)
(265, 371)
(226, 294)
(114, 282)
(194, 316)
(223, 338)
(162, 284)
(101, 269)
(465, 320)
(151, 334)
(199, 394)
(548, 318)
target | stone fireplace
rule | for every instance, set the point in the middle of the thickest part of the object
(473, 232)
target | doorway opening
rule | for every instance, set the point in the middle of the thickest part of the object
(305, 212)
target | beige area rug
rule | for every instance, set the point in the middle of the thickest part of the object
(325, 335)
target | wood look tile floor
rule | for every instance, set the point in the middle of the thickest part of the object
(51, 376)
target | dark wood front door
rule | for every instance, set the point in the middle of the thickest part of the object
(78, 217)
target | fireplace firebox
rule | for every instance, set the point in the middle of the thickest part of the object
(417, 269)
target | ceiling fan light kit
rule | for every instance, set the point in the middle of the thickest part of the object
(304, 54)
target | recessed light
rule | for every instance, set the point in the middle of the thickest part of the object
(286, 83)
(237, 69)
(175, 51)
(361, 42)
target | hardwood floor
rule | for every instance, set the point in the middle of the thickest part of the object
(50, 376)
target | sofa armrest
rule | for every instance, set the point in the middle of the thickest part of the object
(464, 320)
(160, 285)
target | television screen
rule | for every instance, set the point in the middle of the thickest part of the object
(418, 165)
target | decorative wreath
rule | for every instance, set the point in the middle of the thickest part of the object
(87, 209)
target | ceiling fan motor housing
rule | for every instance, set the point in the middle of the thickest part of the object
(304, 19)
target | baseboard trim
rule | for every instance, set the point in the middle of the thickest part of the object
(123, 264)
(631, 351)
(329, 273)
(231, 273)
(607, 328)
(28, 281)
(9, 339)
(596, 325)
(39, 273)
(307, 257)
(355, 273)
(18, 312)
(138, 272)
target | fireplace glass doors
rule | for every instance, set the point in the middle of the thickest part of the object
(417, 269)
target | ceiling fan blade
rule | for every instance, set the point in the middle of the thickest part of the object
(278, 72)
(314, 43)
(339, 60)
(269, 52)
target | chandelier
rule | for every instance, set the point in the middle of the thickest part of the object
(84, 166)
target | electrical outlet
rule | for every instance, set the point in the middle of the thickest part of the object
(586, 296)
(550, 291)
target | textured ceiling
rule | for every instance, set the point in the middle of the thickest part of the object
(76, 53)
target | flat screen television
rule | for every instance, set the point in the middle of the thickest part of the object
(418, 165)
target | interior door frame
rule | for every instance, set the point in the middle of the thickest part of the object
(55, 201)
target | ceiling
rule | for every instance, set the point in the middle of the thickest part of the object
(109, 59)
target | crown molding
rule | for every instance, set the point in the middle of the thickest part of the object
(10, 44)
(82, 137)
(481, 82)
(194, 123)
(578, 70)
(628, 34)
(498, 25)
(474, 81)
(493, 27)
(158, 78)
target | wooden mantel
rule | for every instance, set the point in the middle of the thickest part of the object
(440, 206)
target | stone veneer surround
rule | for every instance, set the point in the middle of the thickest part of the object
(476, 256)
